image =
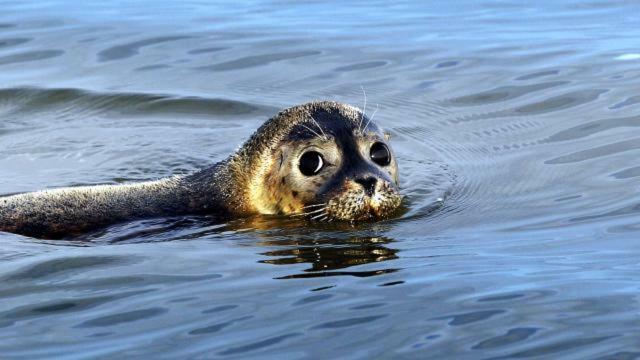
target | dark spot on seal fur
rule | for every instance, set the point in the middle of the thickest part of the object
(294, 194)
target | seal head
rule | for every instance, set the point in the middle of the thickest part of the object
(327, 161)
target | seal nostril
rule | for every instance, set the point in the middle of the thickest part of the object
(368, 183)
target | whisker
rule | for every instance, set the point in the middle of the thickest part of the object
(313, 211)
(364, 108)
(310, 212)
(312, 205)
(310, 129)
(318, 125)
(317, 216)
(371, 118)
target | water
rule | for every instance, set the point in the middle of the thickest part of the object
(525, 118)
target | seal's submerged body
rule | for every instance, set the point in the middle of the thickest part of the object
(322, 160)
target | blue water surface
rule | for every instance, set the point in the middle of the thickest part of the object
(517, 130)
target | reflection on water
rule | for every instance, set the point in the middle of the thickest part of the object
(327, 254)
(292, 240)
(516, 127)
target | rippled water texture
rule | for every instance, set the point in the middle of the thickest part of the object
(524, 117)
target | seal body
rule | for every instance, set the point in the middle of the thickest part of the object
(324, 161)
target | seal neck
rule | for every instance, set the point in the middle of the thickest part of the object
(215, 190)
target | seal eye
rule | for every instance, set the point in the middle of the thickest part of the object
(380, 154)
(310, 163)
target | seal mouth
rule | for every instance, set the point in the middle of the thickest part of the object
(356, 206)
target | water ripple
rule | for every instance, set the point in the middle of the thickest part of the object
(37, 99)
(128, 50)
(258, 60)
(510, 337)
(124, 317)
(597, 152)
(27, 56)
(258, 345)
(503, 93)
(349, 322)
(594, 127)
(556, 347)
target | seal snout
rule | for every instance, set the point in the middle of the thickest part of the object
(364, 197)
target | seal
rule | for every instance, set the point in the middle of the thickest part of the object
(322, 161)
